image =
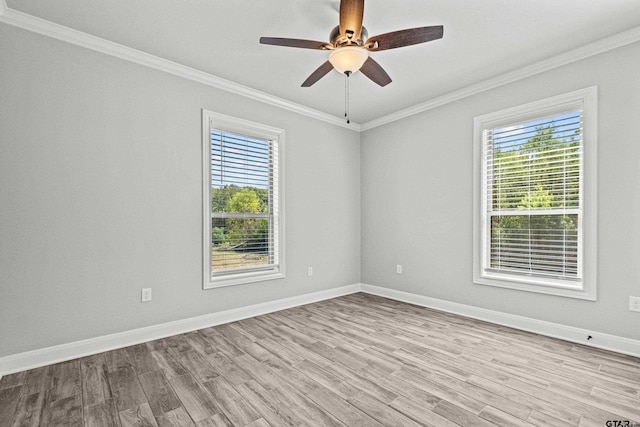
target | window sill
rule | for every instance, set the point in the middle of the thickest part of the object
(578, 290)
(243, 278)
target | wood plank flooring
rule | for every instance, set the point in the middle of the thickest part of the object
(358, 360)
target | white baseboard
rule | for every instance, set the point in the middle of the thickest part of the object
(555, 330)
(60, 353)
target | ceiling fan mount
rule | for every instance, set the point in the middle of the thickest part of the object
(350, 44)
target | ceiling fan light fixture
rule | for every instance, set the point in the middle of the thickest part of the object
(348, 58)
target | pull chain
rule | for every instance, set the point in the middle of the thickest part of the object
(346, 95)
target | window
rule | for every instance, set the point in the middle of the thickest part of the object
(243, 201)
(535, 201)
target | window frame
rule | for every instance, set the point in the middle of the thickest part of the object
(214, 120)
(584, 288)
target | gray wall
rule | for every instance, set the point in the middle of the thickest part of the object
(417, 198)
(100, 196)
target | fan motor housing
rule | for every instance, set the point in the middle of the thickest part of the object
(338, 40)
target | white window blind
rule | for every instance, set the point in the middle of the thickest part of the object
(242, 201)
(534, 200)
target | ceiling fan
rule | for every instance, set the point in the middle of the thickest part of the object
(350, 45)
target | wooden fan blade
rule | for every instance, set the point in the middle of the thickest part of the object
(319, 73)
(304, 44)
(402, 38)
(375, 72)
(351, 13)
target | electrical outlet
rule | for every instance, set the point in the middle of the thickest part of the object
(146, 294)
(634, 303)
(310, 271)
(399, 269)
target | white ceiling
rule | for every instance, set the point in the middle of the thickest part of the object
(482, 39)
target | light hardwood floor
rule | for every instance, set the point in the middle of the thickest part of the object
(357, 360)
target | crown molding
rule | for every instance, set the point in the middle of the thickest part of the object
(66, 34)
(586, 51)
(79, 38)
